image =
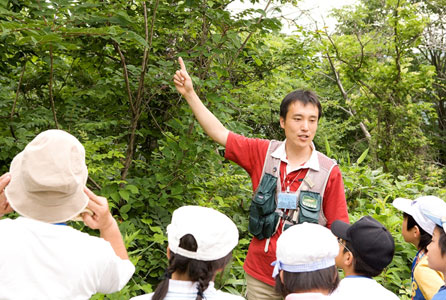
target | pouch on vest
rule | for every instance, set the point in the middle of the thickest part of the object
(262, 216)
(265, 198)
(262, 227)
(309, 207)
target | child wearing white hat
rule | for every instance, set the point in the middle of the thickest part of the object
(417, 229)
(305, 265)
(42, 257)
(436, 255)
(201, 241)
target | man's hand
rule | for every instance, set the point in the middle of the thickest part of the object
(101, 218)
(4, 205)
(182, 80)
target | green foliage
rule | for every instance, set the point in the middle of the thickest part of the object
(148, 155)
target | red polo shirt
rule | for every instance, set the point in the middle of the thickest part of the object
(250, 154)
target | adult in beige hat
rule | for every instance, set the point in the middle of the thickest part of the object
(42, 257)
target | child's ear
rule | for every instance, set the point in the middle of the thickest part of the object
(281, 275)
(348, 259)
(416, 231)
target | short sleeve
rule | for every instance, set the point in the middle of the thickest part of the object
(249, 153)
(116, 272)
(335, 205)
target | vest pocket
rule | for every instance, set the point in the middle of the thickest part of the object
(262, 227)
(262, 216)
(265, 197)
(309, 207)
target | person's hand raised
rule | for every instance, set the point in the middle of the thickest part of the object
(101, 218)
(4, 205)
(182, 80)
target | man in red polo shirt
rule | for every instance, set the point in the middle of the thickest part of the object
(290, 161)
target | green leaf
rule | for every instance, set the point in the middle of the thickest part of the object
(362, 157)
(124, 194)
(132, 188)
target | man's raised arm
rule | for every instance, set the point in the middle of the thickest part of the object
(210, 124)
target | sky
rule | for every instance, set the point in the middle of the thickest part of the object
(306, 12)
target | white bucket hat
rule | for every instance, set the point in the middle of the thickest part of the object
(414, 208)
(305, 248)
(215, 233)
(48, 178)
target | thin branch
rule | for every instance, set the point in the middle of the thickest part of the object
(146, 51)
(247, 38)
(137, 109)
(346, 98)
(51, 88)
(15, 100)
(94, 183)
(397, 49)
(126, 75)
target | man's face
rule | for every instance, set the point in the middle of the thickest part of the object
(435, 259)
(300, 124)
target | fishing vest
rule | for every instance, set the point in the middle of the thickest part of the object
(264, 214)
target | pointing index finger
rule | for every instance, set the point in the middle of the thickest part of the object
(90, 194)
(183, 67)
(4, 180)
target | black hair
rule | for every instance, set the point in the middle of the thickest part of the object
(442, 241)
(196, 270)
(425, 238)
(360, 267)
(325, 279)
(303, 96)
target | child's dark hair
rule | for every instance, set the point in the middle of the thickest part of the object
(196, 270)
(359, 266)
(425, 238)
(442, 241)
(325, 279)
(303, 96)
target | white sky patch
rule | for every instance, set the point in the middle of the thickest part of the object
(305, 13)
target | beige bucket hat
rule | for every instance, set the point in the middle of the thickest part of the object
(48, 178)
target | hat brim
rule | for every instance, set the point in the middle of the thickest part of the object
(404, 205)
(23, 202)
(340, 228)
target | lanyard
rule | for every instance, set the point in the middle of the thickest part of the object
(290, 184)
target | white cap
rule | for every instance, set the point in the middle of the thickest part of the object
(414, 208)
(304, 248)
(435, 210)
(215, 233)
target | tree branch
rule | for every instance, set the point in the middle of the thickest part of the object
(137, 109)
(247, 38)
(51, 88)
(346, 98)
(15, 100)
(126, 76)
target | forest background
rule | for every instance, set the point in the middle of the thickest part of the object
(102, 70)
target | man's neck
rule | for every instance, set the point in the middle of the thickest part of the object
(297, 156)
